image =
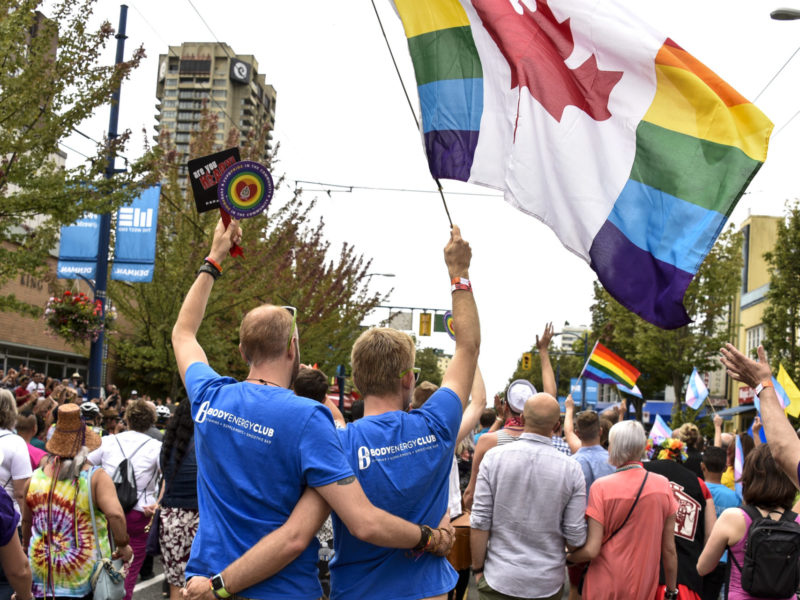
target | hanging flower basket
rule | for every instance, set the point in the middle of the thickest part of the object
(74, 317)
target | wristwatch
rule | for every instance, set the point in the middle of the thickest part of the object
(218, 587)
(764, 384)
(670, 594)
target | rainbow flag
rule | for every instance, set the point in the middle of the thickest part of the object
(604, 366)
(589, 119)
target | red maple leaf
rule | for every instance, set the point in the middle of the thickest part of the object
(535, 45)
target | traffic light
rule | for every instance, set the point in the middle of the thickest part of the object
(425, 324)
(526, 361)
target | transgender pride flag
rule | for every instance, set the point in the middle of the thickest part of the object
(590, 120)
(660, 430)
(738, 466)
(696, 391)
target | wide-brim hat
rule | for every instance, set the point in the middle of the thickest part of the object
(518, 393)
(71, 433)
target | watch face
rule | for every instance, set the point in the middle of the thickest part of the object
(217, 583)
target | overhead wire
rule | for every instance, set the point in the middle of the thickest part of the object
(347, 188)
(788, 60)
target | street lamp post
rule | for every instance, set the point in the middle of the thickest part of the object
(585, 339)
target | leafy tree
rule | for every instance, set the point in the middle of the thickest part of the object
(427, 360)
(287, 261)
(782, 315)
(668, 357)
(50, 81)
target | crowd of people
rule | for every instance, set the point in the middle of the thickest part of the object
(263, 489)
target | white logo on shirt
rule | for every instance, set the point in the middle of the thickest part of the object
(687, 515)
(363, 458)
(202, 413)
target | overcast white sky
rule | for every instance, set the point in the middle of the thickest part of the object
(341, 118)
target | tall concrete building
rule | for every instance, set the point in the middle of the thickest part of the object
(198, 74)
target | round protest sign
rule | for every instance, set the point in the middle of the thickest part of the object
(448, 324)
(245, 189)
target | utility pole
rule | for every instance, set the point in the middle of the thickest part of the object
(97, 353)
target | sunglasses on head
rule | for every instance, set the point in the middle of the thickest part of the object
(414, 370)
(292, 311)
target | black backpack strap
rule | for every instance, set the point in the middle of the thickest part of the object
(138, 448)
(755, 516)
(628, 516)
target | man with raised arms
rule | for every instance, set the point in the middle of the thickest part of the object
(260, 449)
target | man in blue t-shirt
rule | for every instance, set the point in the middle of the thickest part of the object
(403, 459)
(262, 452)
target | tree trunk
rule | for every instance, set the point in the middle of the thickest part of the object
(677, 385)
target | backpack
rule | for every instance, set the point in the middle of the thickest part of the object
(125, 480)
(771, 566)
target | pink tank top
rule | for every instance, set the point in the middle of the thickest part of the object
(736, 592)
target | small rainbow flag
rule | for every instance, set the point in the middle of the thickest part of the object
(604, 366)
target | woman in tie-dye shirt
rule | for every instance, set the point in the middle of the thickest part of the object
(57, 525)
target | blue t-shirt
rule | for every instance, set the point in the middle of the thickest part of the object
(403, 462)
(257, 447)
(724, 497)
(594, 463)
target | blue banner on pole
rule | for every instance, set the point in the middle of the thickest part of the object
(592, 390)
(77, 251)
(135, 247)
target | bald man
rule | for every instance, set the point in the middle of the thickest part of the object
(529, 503)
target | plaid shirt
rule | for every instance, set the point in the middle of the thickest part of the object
(560, 445)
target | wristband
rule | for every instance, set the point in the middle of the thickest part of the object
(207, 268)
(213, 263)
(426, 535)
(460, 283)
(764, 384)
(670, 594)
(477, 571)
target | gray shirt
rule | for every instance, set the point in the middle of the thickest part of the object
(531, 498)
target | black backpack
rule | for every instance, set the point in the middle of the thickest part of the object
(771, 566)
(125, 480)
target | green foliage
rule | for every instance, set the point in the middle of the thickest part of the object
(50, 82)
(667, 357)
(782, 315)
(427, 360)
(287, 261)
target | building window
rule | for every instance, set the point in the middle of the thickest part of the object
(170, 103)
(219, 93)
(170, 82)
(172, 92)
(755, 337)
(220, 82)
(168, 114)
(182, 137)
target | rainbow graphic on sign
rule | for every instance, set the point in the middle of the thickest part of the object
(245, 189)
(448, 324)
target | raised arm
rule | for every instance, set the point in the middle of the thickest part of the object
(485, 443)
(475, 409)
(781, 435)
(548, 377)
(573, 441)
(717, 431)
(461, 371)
(184, 333)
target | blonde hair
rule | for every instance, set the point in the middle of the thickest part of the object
(378, 357)
(8, 410)
(264, 333)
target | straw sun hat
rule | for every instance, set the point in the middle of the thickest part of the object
(71, 433)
